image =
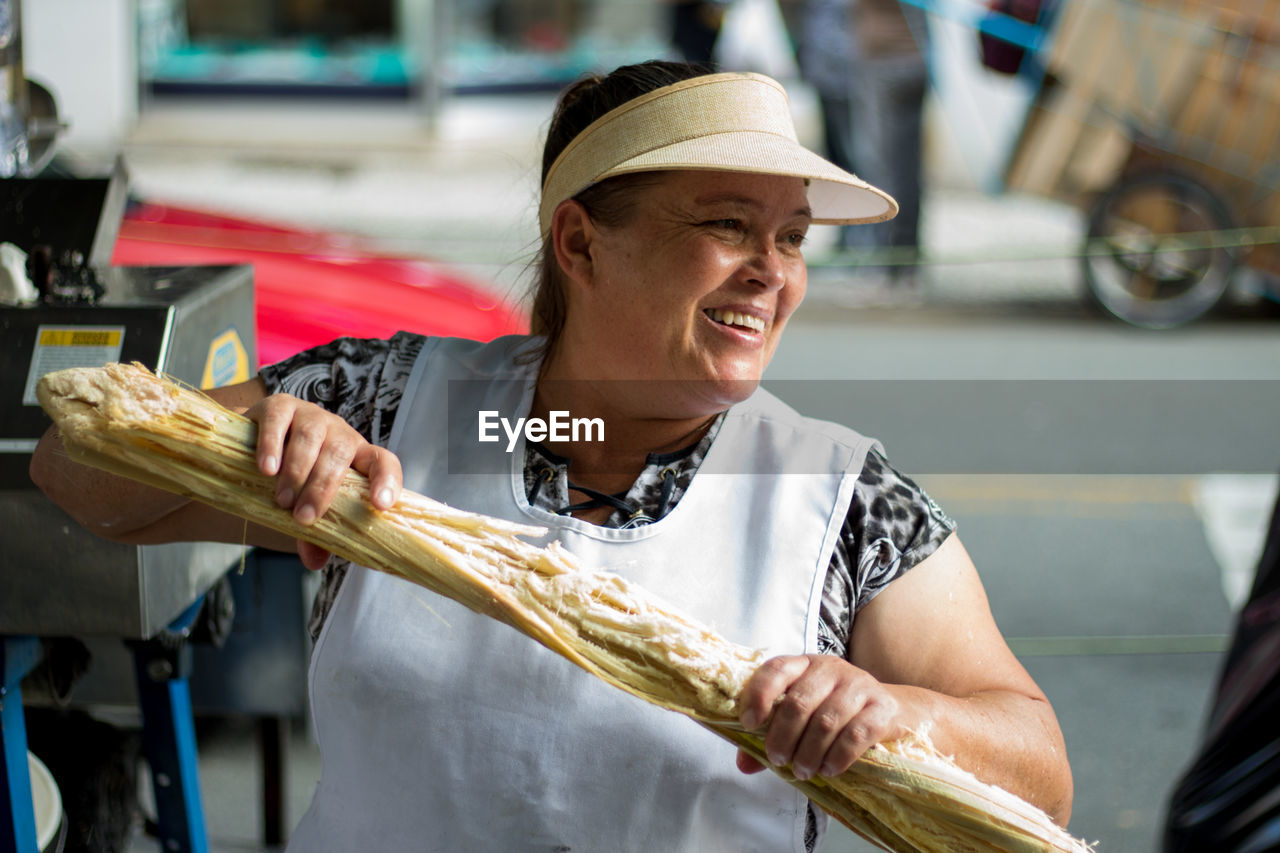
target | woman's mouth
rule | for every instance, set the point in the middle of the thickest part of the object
(736, 319)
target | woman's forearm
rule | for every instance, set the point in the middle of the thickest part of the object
(1004, 738)
(130, 512)
(108, 505)
(124, 510)
(819, 713)
(929, 638)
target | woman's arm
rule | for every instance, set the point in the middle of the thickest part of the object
(926, 655)
(123, 510)
(305, 447)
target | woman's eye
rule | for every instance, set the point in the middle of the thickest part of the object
(795, 240)
(726, 224)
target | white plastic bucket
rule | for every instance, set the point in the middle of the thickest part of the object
(50, 834)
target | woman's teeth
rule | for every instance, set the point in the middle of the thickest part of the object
(733, 318)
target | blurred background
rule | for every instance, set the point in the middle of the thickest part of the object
(1069, 339)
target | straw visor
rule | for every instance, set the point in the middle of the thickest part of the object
(737, 122)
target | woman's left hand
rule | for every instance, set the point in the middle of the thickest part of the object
(822, 713)
(955, 679)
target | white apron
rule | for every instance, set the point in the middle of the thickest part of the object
(444, 730)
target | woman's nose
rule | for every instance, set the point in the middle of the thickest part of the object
(767, 266)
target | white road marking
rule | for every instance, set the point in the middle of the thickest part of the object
(1235, 510)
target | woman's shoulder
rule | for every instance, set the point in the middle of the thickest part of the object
(892, 525)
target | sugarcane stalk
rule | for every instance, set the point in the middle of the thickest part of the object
(902, 795)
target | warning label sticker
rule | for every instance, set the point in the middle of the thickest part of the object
(60, 347)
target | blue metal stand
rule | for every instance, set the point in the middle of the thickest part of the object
(162, 667)
(17, 811)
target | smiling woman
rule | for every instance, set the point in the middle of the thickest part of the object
(674, 211)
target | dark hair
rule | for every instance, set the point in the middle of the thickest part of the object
(608, 201)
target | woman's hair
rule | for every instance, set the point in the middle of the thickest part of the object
(608, 201)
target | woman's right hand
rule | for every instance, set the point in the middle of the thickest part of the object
(308, 450)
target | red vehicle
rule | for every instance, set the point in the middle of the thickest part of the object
(312, 286)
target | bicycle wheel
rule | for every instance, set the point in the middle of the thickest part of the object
(1154, 256)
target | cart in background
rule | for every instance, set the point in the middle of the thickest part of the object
(1161, 119)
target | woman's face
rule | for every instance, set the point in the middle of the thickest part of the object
(697, 285)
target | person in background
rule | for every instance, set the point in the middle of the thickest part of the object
(867, 62)
(1228, 799)
(695, 25)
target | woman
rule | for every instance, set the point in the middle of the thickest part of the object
(674, 208)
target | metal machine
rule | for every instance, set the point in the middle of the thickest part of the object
(195, 324)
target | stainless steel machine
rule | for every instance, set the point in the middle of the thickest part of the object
(195, 324)
(190, 323)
